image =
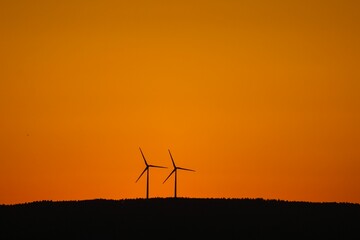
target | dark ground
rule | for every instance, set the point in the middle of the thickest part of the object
(187, 218)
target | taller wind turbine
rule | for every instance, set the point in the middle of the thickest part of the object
(147, 170)
(175, 171)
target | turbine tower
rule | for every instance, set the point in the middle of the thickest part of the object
(147, 170)
(175, 171)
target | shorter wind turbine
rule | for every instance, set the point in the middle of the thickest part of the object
(175, 171)
(147, 170)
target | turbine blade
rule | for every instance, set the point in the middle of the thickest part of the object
(157, 166)
(143, 157)
(186, 169)
(141, 174)
(172, 159)
(170, 175)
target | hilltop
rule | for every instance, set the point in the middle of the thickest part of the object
(181, 217)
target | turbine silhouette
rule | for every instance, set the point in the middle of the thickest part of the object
(147, 170)
(175, 171)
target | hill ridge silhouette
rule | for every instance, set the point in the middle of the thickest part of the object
(172, 198)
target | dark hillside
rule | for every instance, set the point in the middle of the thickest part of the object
(174, 218)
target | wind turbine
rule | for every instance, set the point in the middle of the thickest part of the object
(175, 171)
(147, 170)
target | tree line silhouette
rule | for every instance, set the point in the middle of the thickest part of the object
(173, 218)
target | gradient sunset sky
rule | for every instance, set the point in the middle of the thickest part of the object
(261, 98)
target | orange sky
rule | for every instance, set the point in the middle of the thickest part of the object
(261, 98)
